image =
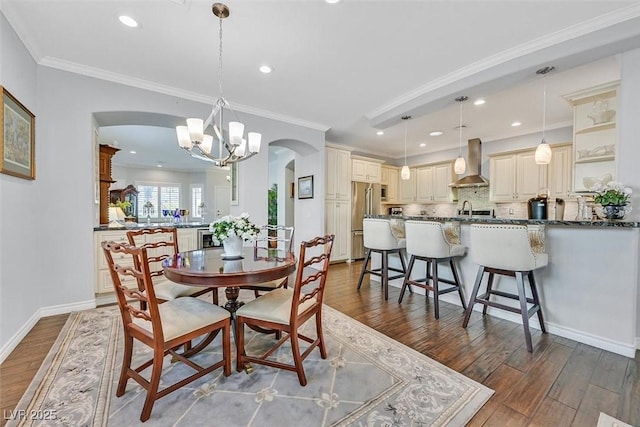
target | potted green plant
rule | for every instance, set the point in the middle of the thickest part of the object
(612, 200)
(272, 213)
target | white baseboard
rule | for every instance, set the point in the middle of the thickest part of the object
(624, 349)
(13, 342)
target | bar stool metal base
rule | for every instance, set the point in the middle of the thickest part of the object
(432, 274)
(383, 271)
(525, 312)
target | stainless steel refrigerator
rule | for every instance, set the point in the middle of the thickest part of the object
(365, 200)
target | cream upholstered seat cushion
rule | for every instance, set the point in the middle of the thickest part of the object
(167, 290)
(272, 284)
(428, 239)
(183, 315)
(273, 307)
(506, 247)
(379, 235)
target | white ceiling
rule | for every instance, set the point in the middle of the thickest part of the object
(350, 68)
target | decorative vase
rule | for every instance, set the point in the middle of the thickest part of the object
(611, 211)
(232, 247)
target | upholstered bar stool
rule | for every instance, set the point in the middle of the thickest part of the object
(509, 250)
(379, 237)
(427, 241)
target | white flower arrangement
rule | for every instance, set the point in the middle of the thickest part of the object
(229, 226)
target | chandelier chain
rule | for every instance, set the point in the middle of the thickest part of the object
(220, 58)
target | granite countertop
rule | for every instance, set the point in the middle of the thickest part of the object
(566, 223)
(138, 226)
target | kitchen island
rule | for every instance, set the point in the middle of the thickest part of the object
(589, 289)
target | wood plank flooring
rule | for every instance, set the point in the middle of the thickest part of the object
(562, 383)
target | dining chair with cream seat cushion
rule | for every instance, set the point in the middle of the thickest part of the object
(287, 309)
(427, 241)
(508, 250)
(162, 243)
(383, 236)
(278, 237)
(162, 327)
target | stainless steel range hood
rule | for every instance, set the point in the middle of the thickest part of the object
(474, 162)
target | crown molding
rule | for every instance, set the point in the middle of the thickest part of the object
(612, 18)
(101, 74)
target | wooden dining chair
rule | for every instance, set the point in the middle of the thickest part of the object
(286, 310)
(162, 327)
(162, 243)
(272, 237)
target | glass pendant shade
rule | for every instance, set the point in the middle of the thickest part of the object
(184, 140)
(405, 173)
(196, 129)
(254, 142)
(241, 149)
(460, 165)
(236, 129)
(207, 143)
(543, 153)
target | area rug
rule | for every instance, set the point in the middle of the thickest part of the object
(367, 379)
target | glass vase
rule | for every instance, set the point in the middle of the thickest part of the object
(232, 247)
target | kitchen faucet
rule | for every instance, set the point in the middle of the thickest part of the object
(463, 205)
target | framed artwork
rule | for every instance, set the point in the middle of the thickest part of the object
(17, 151)
(305, 187)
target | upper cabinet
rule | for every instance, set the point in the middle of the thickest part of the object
(560, 171)
(515, 176)
(594, 131)
(389, 177)
(407, 188)
(338, 176)
(363, 170)
(432, 183)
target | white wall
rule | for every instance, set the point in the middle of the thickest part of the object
(48, 264)
(24, 218)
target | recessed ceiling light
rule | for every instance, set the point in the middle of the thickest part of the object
(265, 69)
(332, 1)
(132, 152)
(380, 132)
(515, 124)
(479, 101)
(159, 166)
(436, 133)
(423, 144)
(128, 21)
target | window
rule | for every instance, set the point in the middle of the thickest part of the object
(163, 196)
(197, 203)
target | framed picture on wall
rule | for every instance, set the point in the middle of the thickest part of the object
(17, 151)
(305, 187)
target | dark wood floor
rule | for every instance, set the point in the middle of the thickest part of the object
(562, 383)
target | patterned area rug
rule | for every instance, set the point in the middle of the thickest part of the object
(367, 379)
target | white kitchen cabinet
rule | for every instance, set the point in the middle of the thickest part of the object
(390, 177)
(187, 241)
(516, 177)
(408, 187)
(432, 183)
(559, 172)
(365, 171)
(338, 174)
(594, 135)
(337, 216)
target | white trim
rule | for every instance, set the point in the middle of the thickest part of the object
(13, 342)
(578, 30)
(123, 79)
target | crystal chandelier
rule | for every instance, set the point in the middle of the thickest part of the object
(234, 148)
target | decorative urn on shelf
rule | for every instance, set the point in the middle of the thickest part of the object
(612, 200)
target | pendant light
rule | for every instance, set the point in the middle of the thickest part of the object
(460, 165)
(405, 173)
(543, 151)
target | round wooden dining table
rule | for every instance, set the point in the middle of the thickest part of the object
(209, 268)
